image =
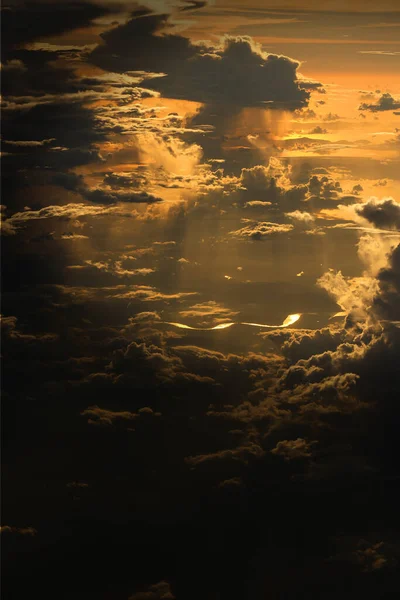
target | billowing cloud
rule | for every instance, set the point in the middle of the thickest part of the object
(385, 102)
(383, 214)
(241, 73)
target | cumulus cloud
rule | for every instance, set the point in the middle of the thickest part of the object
(302, 216)
(386, 300)
(385, 102)
(354, 295)
(243, 74)
(383, 214)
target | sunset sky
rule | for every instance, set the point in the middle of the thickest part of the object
(200, 299)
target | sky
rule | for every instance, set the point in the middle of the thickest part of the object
(200, 320)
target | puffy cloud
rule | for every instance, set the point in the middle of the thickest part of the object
(386, 300)
(304, 344)
(385, 102)
(115, 268)
(243, 75)
(301, 216)
(261, 230)
(323, 187)
(354, 295)
(318, 130)
(383, 214)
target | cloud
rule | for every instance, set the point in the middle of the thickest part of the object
(148, 293)
(386, 301)
(385, 102)
(293, 449)
(66, 211)
(105, 417)
(261, 230)
(30, 21)
(100, 416)
(102, 196)
(354, 294)
(303, 344)
(29, 531)
(208, 311)
(383, 214)
(318, 130)
(241, 454)
(379, 52)
(161, 590)
(301, 216)
(242, 74)
(136, 407)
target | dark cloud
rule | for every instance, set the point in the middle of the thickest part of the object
(134, 46)
(240, 73)
(102, 196)
(37, 73)
(386, 301)
(383, 214)
(34, 20)
(293, 449)
(385, 102)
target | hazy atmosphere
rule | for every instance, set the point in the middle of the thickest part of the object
(200, 320)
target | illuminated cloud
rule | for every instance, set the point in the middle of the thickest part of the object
(301, 216)
(67, 211)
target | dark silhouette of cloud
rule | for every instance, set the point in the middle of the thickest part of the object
(236, 73)
(385, 102)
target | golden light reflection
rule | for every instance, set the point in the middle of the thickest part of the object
(183, 326)
(290, 320)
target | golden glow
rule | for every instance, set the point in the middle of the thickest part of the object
(183, 326)
(290, 320)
